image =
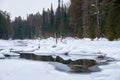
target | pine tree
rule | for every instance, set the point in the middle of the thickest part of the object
(30, 21)
(113, 21)
(63, 21)
(51, 20)
(46, 24)
(4, 25)
(75, 12)
(57, 20)
(17, 27)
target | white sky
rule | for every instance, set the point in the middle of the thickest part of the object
(24, 7)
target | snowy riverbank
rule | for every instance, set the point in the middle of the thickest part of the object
(68, 45)
(20, 69)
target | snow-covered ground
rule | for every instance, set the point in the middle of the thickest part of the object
(2, 56)
(19, 69)
(68, 45)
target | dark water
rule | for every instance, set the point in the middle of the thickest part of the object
(79, 65)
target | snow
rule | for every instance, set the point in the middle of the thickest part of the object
(8, 52)
(78, 46)
(20, 69)
(31, 70)
(77, 56)
(61, 67)
(109, 72)
(2, 56)
(68, 45)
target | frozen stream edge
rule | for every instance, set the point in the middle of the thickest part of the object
(21, 69)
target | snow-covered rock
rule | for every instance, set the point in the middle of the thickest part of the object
(2, 56)
(8, 53)
(68, 45)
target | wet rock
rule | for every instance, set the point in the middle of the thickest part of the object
(101, 57)
(36, 57)
(85, 62)
(27, 56)
(44, 57)
(54, 46)
(83, 65)
(61, 60)
(103, 60)
(7, 55)
(80, 65)
(15, 51)
(66, 54)
(79, 68)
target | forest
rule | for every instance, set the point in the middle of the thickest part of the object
(82, 19)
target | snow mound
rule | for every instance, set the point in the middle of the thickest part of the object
(2, 56)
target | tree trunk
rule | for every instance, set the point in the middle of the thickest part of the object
(85, 17)
(98, 21)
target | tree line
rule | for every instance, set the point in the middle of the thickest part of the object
(82, 19)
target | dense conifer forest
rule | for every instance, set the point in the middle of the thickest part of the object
(82, 19)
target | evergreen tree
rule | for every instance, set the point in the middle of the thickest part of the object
(34, 22)
(113, 21)
(51, 20)
(4, 25)
(63, 21)
(45, 29)
(17, 27)
(30, 21)
(75, 12)
(57, 20)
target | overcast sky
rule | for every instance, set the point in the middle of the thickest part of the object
(24, 7)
